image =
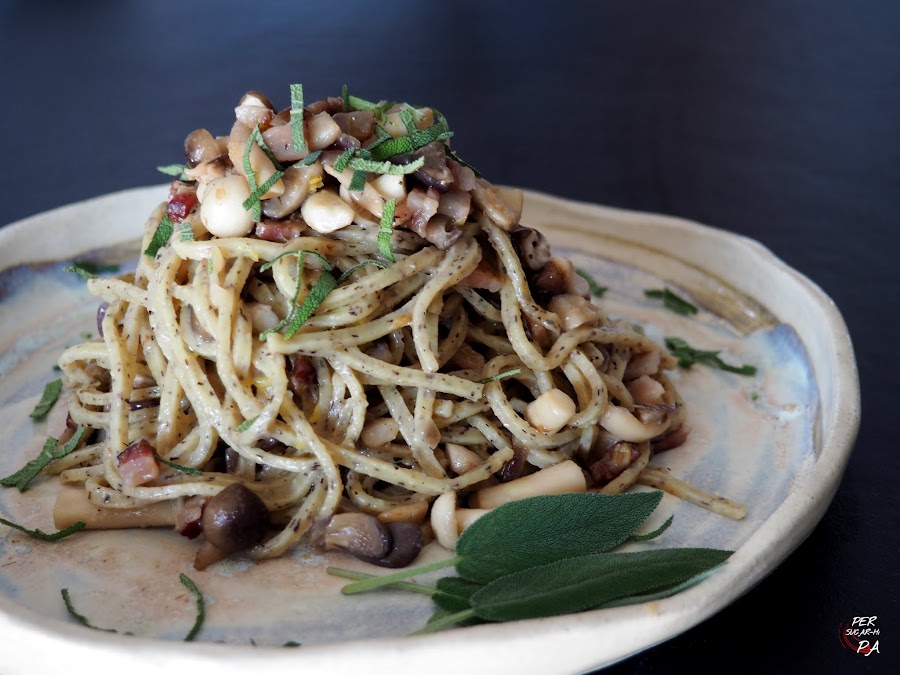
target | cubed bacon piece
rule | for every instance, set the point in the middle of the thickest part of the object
(182, 199)
(188, 522)
(138, 464)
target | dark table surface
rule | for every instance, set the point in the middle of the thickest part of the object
(775, 119)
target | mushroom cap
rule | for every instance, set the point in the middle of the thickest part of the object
(235, 519)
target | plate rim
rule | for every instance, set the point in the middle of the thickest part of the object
(776, 537)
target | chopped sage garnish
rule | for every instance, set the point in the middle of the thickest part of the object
(46, 536)
(672, 301)
(687, 356)
(386, 229)
(298, 137)
(49, 398)
(49, 452)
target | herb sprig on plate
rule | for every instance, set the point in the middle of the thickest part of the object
(551, 555)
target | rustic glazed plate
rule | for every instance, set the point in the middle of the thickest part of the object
(777, 442)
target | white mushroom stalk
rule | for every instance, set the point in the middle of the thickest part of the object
(558, 479)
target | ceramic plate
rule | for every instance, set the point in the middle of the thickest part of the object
(777, 442)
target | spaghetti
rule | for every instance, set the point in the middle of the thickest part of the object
(288, 335)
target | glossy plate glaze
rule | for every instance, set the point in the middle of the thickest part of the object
(777, 442)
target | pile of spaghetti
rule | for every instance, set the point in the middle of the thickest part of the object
(336, 321)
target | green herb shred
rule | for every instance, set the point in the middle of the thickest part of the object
(201, 607)
(501, 376)
(49, 452)
(687, 356)
(298, 137)
(161, 237)
(187, 232)
(46, 536)
(386, 229)
(90, 270)
(49, 398)
(672, 301)
(175, 170)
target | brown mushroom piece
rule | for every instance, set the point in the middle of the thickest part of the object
(200, 146)
(360, 534)
(235, 519)
(406, 543)
(360, 123)
(434, 173)
(391, 544)
(532, 247)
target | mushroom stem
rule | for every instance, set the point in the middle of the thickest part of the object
(72, 505)
(560, 478)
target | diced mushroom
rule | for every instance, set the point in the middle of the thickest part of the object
(254, 109)
(379, 432)
(456, 206)
(613, 462)
(463, 176)
(645, 390)
(503, 207)
(461, 459)
(532, 247)
(434, 173)
(622, 424)
(262, 316)
(360, 123)
(643, 363)
(414, 512)
(441, 232)
(297, 180)
(574, 311)
(322, 130)
(560, 478)
(553, 277)
(550, 411)
(262, 166)
(280, 140)
(515, 467)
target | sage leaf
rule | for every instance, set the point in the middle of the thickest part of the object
(540, 530)
(453, 593)
(586, 582)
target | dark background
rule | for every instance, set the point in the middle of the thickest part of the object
(778, 120)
